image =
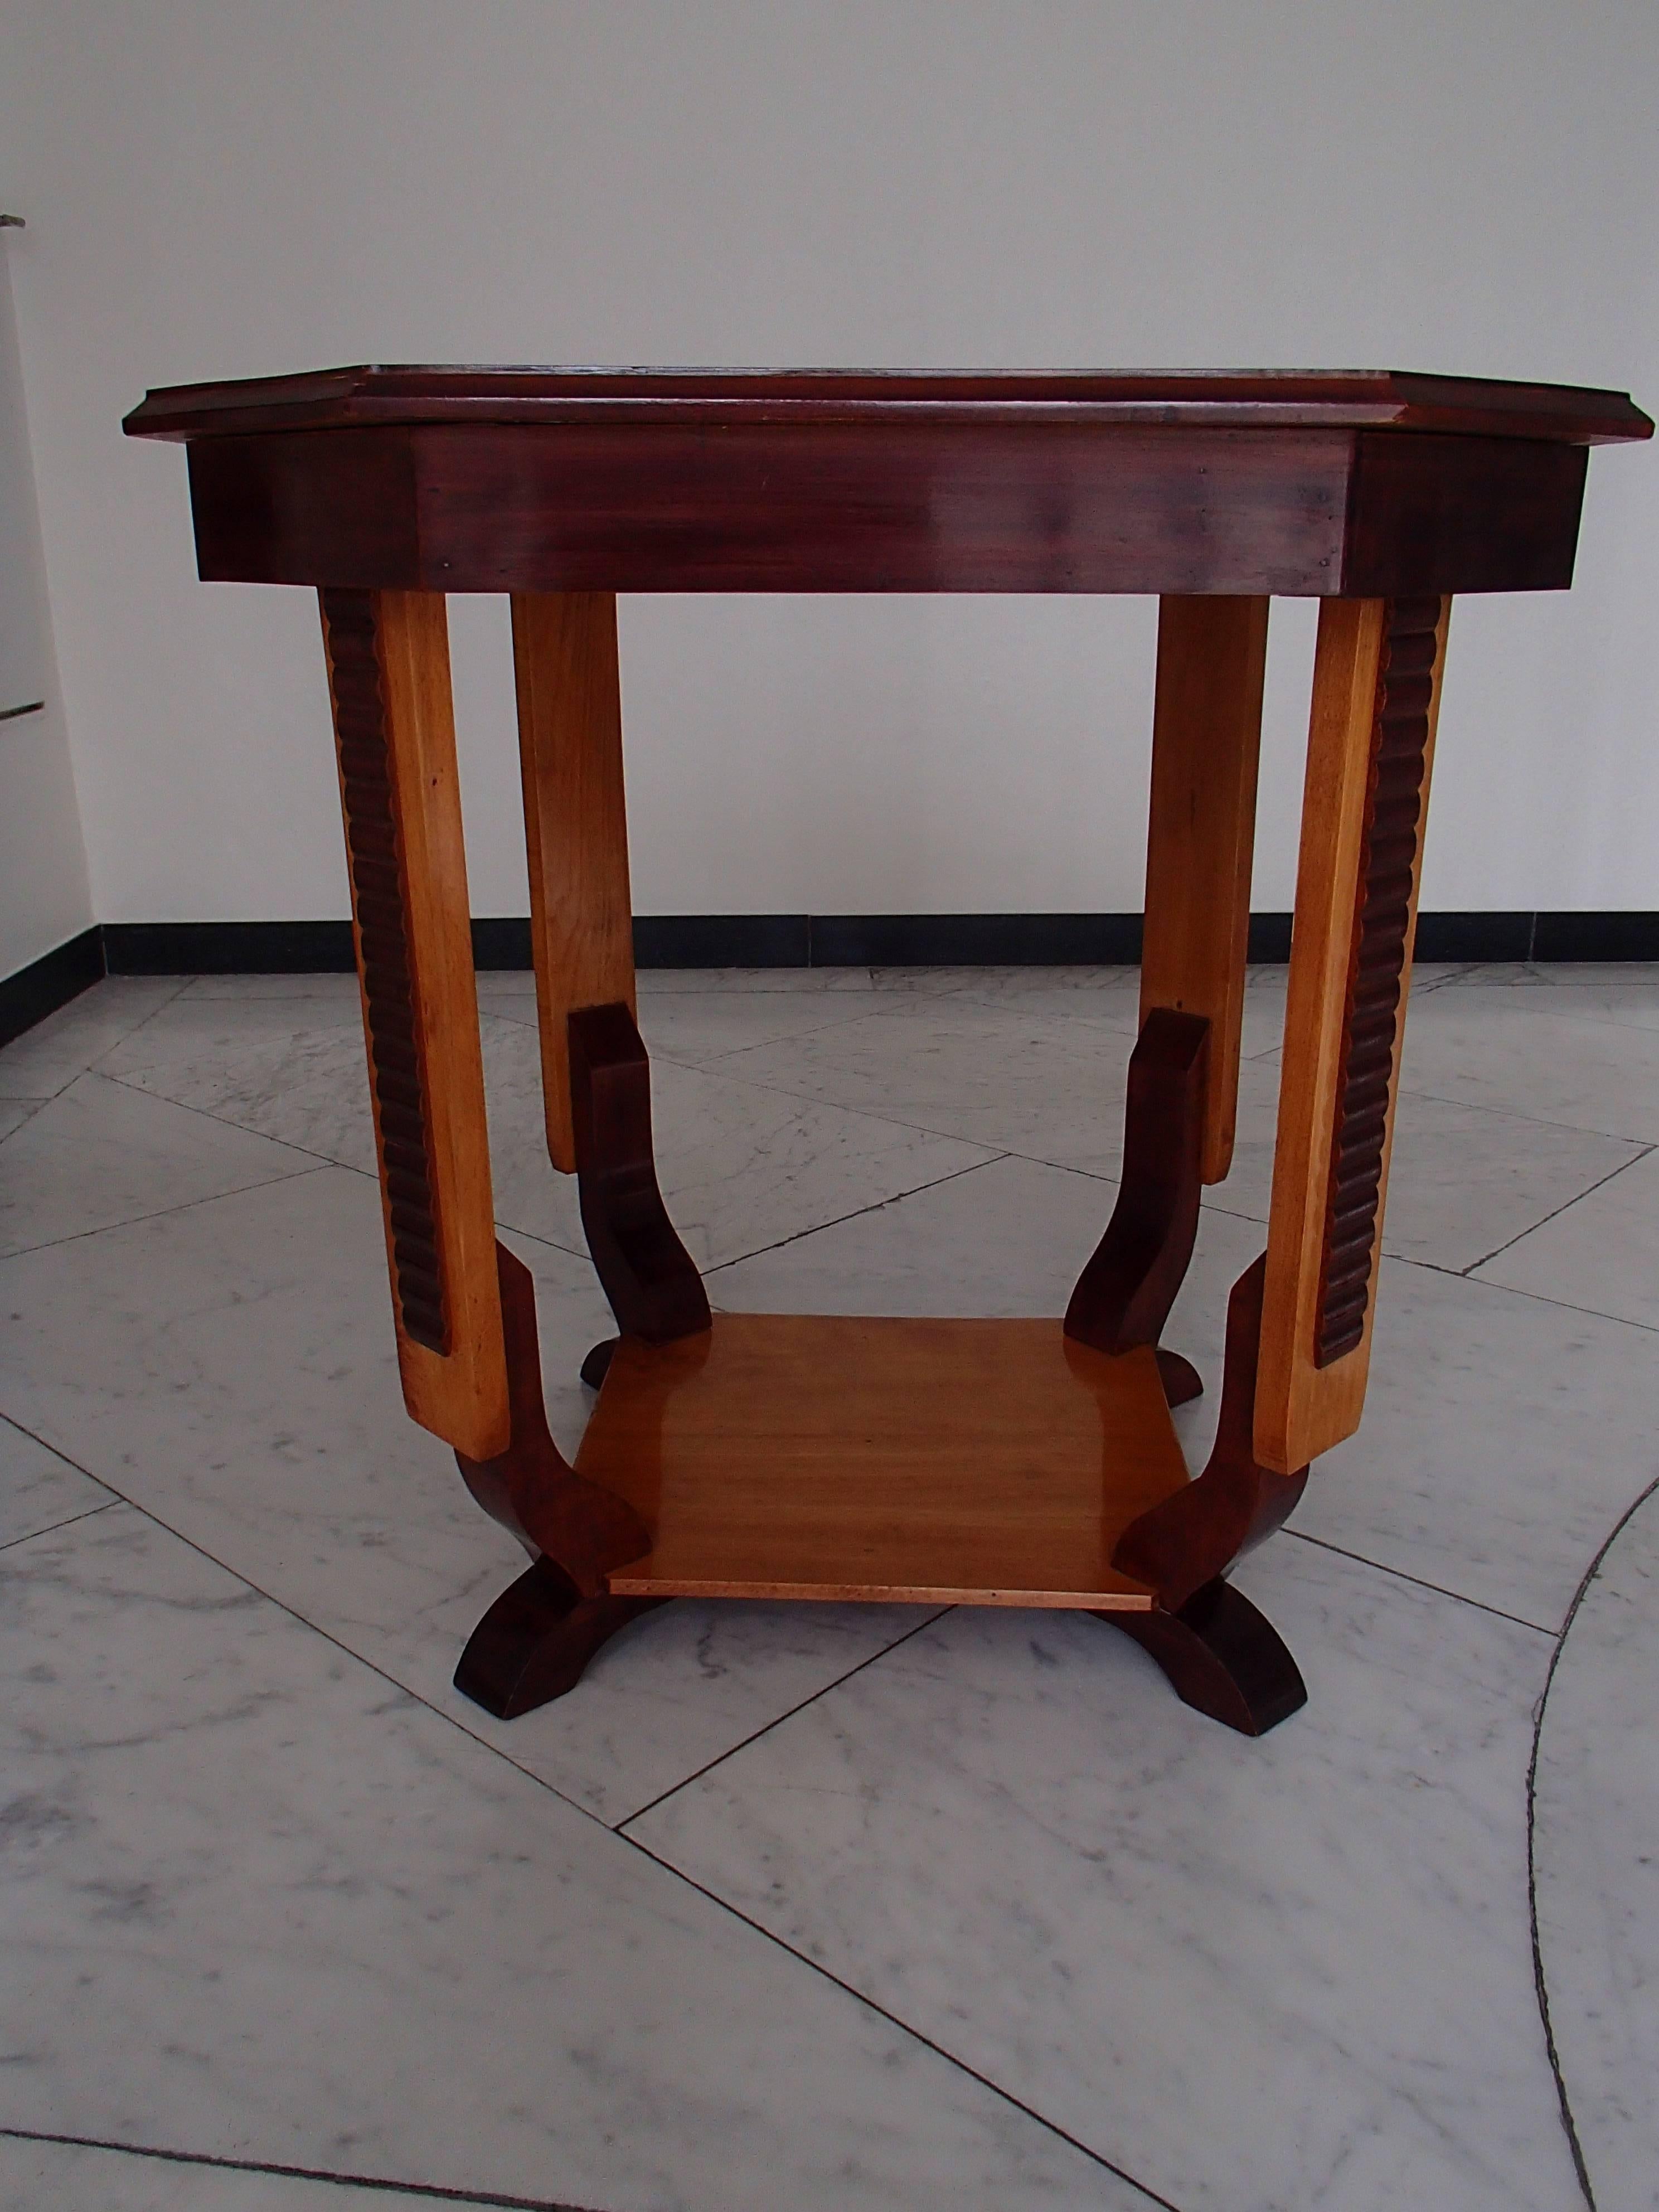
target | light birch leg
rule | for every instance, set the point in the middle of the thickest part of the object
(581, 921)
(1370, 745)
(1206, 738)
(388, 663)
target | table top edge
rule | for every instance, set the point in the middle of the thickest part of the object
(409, 396)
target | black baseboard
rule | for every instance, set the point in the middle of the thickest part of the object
(50, 982)
(850, 940)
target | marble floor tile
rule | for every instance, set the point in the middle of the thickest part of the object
(699, 1026)
(100, 1152)
(338, 989)
(1503, 1436)
(653, 982)
(13, 1112)
(1597, 1876)
(1041, 1085)
(1569, 974)
(269, 1907)
(1007, 1238)
(230, 1369)
(1606, 997)
(1527, 1052)
(45, 1060)
(293, 1069)
(1600, 1253)
(740, 1166)
(48, 2177)
(1464, 1182)
(39, 1490)
(1292, 1972)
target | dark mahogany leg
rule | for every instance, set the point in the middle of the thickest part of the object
(1180, 1378)
(597, 1365)
(534, 1642)
(1124, 1294)
(1194, 1536)
(530, 1488)
(650, 1278)
(1221, 1657)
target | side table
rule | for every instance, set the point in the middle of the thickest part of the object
(969, 1461)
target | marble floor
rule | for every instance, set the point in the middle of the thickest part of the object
(817, 1908)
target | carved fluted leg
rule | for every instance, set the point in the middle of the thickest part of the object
(1377, 683)
(388, 664)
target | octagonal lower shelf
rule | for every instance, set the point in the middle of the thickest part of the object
(969, 1463)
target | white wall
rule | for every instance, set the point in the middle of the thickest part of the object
(44, 895)
(226, 187)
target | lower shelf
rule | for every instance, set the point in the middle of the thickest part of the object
(968, 1462)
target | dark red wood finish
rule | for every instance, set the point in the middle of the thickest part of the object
(1195, 1536)
(1215, 398)
(530, 1488)
(1124, 1294)
(889, 506)
(1221, 1657)
(521, 480)
(1375, 1000)
(534, 1642)
(647, 1273)
(380, 884)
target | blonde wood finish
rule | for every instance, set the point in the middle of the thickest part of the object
(581, 916)
(1302, 1408)
(460, 1392)
(971, 1462)
(1206, 738)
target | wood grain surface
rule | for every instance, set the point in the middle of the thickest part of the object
(388, 656)
(581, 915)
(975, 1462)
(1200, 840)
(1376, 688)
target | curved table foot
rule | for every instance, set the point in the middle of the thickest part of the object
(534, 1642)
(1182, 1546)
(1181, 1379)
(1221, 1657)
(597, 1365)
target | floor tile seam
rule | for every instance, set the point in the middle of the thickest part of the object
(620, 1827)
(87, 1067)
(1128, 1030)
(1540, 1983)
(316, 1628)
(94, 1066)
(39, 1098)
(905, 2028)
(224, 1120)
(1566, 1206)
(721, 1904)
(1534, 1121)
(429, 2190)
(724, 1074)
(817, 1028)
(874, 1206)
(1512, 1291)
(1419, 1582)
(69, 1520)
(513, 1228)
(161, 1213)
(1542, 1298)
